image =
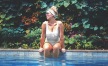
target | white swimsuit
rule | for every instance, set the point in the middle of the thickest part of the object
(52, 37)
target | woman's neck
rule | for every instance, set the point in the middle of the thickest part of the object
(52, 20)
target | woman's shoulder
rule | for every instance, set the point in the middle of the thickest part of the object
(44, 22)
(60, 23)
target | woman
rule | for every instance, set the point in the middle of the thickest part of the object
(52, 36)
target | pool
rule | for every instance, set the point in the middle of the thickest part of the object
(70, 58)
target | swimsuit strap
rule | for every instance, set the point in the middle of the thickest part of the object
(47, 26)
(48, 29)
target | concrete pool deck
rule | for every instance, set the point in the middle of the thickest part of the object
(36, 50)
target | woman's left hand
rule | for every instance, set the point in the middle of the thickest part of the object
(63, 50)
(40, 49)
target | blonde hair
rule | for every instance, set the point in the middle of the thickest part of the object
(54, 8)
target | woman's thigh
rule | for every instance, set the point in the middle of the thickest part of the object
(57, 46)
(47, 46)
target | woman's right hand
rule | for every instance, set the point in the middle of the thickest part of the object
(63, 50)
(41, 49)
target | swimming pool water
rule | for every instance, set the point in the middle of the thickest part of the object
(70, 58)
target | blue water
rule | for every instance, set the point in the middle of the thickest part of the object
(33, 58)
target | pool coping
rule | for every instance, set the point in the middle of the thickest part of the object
(36, 50)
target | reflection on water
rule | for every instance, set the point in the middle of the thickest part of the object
(29, 58)
(60, 61)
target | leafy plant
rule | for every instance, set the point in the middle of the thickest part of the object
(32, 37)
(12, 34)
(18, 20)
(81, 42)
(33, 33)
(35, 45)
(25, 46)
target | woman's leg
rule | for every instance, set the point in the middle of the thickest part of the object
(56, 49)
(47, 49)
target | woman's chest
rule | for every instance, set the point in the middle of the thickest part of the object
(53, 28)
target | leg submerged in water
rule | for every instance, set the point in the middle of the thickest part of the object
(56, 50)
(51, 50)
(47, 49)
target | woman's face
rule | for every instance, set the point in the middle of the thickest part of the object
(48, 15)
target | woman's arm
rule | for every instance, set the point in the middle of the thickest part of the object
(61, 28)
(43, 34)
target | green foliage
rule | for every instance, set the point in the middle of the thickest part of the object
(75, 25)
(69, 40)
(81, 42)
(11, 34)
(11, 37)
(32, 37)
(25, 46)
(20, 21)
(33, 33)
(35, 45)
(43, 4)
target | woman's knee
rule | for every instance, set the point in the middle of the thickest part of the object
(47, 47)
(56, 46)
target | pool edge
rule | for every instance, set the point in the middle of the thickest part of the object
(36, 50)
